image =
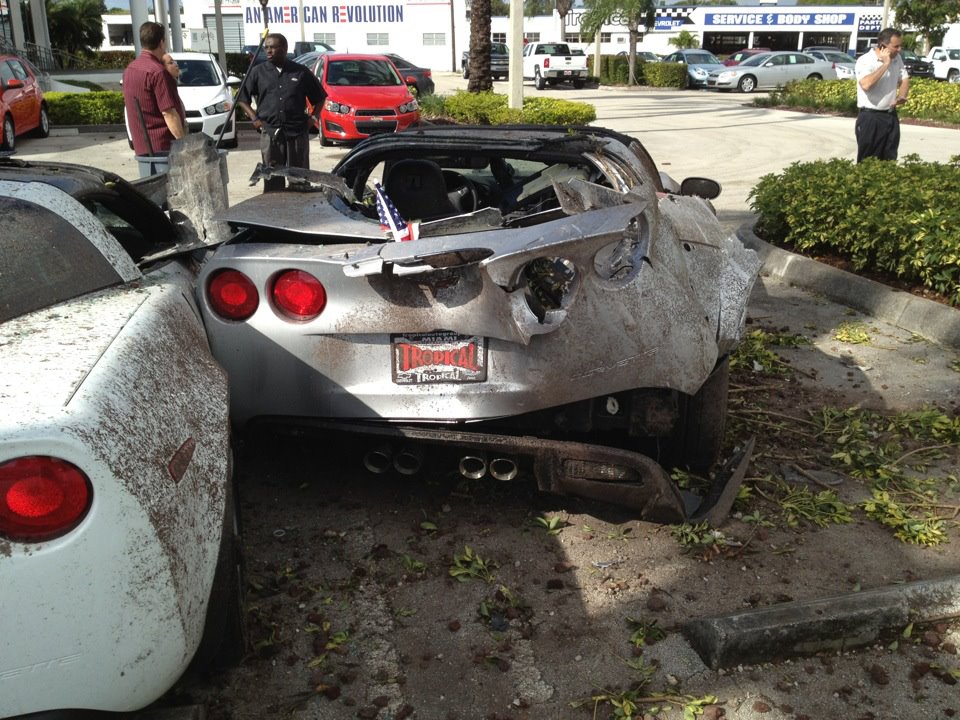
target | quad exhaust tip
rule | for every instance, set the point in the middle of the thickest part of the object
(473, 467)
(503, 469)
(379, 460)
(408, 461)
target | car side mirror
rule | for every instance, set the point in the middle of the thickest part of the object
(411, 80)
(233, 81)
(700, 187)
(14, 83)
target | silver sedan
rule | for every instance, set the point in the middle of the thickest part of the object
(770, 70)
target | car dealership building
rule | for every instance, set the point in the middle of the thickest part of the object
(433, 33)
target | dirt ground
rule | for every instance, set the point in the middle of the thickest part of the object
(569, 609)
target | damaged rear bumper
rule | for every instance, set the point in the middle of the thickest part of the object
(596, 472)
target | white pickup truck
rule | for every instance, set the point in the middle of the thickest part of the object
(946, 63)
(547, 63)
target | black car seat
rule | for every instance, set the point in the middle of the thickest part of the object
(418, 190)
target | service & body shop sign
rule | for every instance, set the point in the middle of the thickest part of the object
(797, 17)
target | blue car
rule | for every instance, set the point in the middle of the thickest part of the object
(700, 63)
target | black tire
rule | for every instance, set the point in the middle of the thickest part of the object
(814, 76)
(229, 144)
(323, 140)
(697, 437)
(9, 141)
(43, 127)
(953, 76)
(747, 84)
(224, 641)
(466, 72)
(578, 83)
(538, 82)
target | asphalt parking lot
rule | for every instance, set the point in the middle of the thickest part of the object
(423, 629)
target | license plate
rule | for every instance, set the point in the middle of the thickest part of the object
(438, 357)
(568, 72)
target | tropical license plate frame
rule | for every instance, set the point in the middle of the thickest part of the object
(438, 357)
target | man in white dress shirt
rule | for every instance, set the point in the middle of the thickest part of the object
(882, 86)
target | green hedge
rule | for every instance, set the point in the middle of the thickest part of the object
(899, 219)
(929, 99)
(615, 69)
(664, 74)
(92, 108)
(490, 108)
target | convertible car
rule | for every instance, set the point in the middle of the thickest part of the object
(117, 543)
(561, 309)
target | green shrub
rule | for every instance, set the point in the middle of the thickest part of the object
(112, 59)
(615, 69)
(664, 74)
(899, 219)
(490, 108)
(92, 108)
(929, 99)
(237, 64)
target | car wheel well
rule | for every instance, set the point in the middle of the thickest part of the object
(9, 133)
(697, 436)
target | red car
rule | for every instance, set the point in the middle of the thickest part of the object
(740, 55)
(366, 95)
(22, 108)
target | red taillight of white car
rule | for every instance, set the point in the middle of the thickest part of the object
(546, 63)
(41, 498)
(232, 295)
(298, 295)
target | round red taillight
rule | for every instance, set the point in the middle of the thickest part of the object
(41, 498)
(232, 294)
(299, 295)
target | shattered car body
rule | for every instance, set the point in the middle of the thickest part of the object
(557, 297)
(116, 520)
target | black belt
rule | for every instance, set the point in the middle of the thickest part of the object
(889, 111)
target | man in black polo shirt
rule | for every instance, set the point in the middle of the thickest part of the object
(281, 88)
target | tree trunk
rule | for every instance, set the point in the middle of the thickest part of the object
(480, 80)
(634, 32)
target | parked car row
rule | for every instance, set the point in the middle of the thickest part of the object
(117, 340)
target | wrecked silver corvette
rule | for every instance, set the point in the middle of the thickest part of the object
(559, 312)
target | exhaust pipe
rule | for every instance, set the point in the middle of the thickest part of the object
(503, 469)
(408, 461)
(378, 460)
(473, 467)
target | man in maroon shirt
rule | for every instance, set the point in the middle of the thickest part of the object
(150, 92)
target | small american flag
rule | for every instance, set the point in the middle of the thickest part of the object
(390, 219)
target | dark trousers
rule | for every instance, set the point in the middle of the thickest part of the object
(878, 134)
(283, 150)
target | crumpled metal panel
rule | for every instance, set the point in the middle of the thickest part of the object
(716, 255)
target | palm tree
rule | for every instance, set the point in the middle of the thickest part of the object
(75, 25)
(685, 40)
(633, 13)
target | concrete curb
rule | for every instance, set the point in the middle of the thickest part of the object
(836, 623)
(926, 318)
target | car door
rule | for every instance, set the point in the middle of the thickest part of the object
(12, 96)
(26, 104)
(773, 73)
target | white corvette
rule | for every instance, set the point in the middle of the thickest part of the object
(115, 492)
